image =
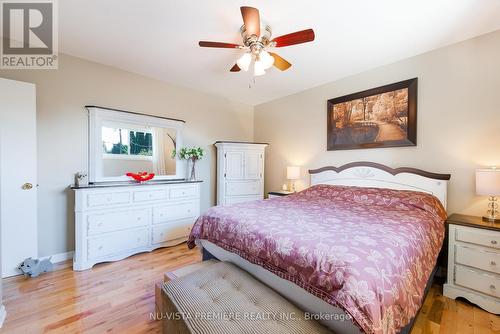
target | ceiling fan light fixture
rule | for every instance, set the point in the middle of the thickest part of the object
(258, 68)
(244, 61)
(266, 59)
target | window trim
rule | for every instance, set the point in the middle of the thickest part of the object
(138, 157)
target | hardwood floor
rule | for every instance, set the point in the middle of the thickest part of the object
(112, 297)
(446, 316)
(118, 297)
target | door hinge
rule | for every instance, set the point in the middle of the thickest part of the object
(225, 155)
(224, 174)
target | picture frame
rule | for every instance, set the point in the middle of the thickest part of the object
(380, 117)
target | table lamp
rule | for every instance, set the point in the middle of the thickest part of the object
(293, 173)
(488, 184)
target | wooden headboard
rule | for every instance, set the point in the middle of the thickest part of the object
(370, 174)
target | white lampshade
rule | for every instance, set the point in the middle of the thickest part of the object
(293, 173)
(258, 68)
(488, 182)
(244, 61)
(266, 59)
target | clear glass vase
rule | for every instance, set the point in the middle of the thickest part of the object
(192, 174)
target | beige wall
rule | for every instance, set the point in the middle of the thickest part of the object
(458, 120)
(62, 130)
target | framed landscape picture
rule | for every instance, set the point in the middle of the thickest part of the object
(380, 117)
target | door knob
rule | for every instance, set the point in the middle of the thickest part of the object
(27, 186)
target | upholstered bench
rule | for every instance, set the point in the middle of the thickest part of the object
(221, 298)
(176, 273)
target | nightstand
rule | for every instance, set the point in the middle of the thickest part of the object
(474, 261)
(280, 193)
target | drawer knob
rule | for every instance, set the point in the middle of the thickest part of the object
(183, 193)
(100, 248)
(493, 263)
(493, 242)
(138, 218)
(492, 287)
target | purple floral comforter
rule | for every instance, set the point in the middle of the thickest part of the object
(368, 251)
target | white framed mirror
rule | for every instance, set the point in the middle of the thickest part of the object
(122, 142)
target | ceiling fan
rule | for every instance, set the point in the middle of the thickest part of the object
(256, 39)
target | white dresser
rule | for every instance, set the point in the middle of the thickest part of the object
(474, 262)
(114, 222)
(240, 172)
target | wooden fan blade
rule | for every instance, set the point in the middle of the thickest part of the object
(279, 62)
(235, 68)
(298, 37)
(251, 19)
(206, 44)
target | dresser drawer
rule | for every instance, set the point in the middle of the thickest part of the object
(478, 280)
(478, 236)
(176, 211)
(171, 231)
(182, 192)
(478, 258)
(97, 200)
(241, 199)
(150, 195)
(98, 223)
(243, 188)
(116, 243)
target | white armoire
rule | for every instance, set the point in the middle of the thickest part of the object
(240, 172)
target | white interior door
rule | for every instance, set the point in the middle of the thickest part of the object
(18, 198)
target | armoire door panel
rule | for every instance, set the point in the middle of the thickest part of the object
(252, 166)
(234, 165)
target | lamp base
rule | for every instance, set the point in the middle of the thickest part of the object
(491, 219)
(492, 215)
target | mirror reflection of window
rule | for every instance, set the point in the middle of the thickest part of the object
(130, 149)
(127, 142)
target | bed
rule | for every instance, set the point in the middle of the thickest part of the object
(357, 249)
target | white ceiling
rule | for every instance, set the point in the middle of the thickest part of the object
(159, 38)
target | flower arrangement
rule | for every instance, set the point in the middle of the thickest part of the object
(191, 154)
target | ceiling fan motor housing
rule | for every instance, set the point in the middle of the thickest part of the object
(257, 43)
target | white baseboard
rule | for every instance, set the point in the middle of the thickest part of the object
(3, 314)
(61, 257)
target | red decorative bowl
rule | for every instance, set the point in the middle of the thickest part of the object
(141, 176)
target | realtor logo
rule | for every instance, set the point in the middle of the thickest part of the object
(29, 34)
